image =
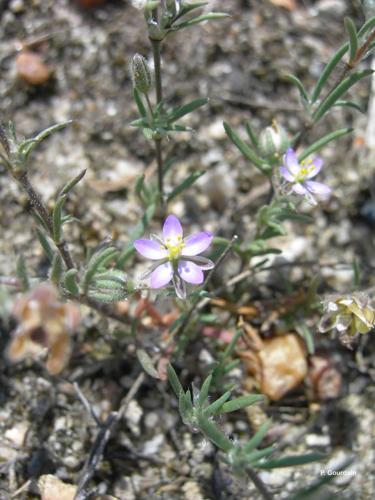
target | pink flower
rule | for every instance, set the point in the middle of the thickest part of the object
(299, 175)
(177, 258)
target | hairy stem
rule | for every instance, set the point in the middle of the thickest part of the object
(41, 210)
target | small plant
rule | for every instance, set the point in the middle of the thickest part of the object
(47, 310)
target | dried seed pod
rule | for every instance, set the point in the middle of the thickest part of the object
(141, 74)
(31, 68)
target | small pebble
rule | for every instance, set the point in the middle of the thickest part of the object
(31, 68)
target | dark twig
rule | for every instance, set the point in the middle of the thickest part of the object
(86, 404)
(105, 432)
(259, 484)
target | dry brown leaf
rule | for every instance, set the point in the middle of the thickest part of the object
(107, 185)
(245, 310)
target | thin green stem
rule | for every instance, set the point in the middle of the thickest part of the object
(159, 97)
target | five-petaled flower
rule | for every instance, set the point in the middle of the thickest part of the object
(177, 258)
(298, 175)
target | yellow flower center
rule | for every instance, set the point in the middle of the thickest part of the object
(174, 247)
(307, 168)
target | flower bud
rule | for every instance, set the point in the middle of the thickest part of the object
(141, 74)
(273, 141)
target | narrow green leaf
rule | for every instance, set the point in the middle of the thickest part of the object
(335, 95)
(252, 136)
(139, 182)
(254, 456)
(181, 111)
(189, 402)
(353, 38)
(183, 407)
(323, 141)
(70, 185)
(203, 394)
(147, 363)
(242, 402)
(214, 434)
(216, 406)
(328, 69)
(174, 380)
(139, 123)
(258, 437)
(45, 244)
(291, 461)
(98, 260)
(369, 24)
(297, 82)
(307, 336)
(168, 164)
(138, 100)
(56, 269)
(189, 181)
(56, 219)
(211, 16)
(22, 273)
(26, 147)
(246, 150)
(185, 9)
(350, 104)
(70, 281)
(114, 275)
(231, 366)
(232, 344)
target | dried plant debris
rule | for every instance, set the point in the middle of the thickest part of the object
(44, 324)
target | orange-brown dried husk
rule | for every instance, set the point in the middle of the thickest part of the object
(279, 366)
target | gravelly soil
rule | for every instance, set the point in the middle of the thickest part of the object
(240, 64)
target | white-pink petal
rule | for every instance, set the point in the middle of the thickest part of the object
(190, 272)
(317, 165)
(150, 249)
(318, 188)
(291, 161)
(299, 189)
(286, 174)
(172, 228)
(162, 275)
(197, 243)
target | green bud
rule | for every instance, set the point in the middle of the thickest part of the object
(273, 141)
(141, 74)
